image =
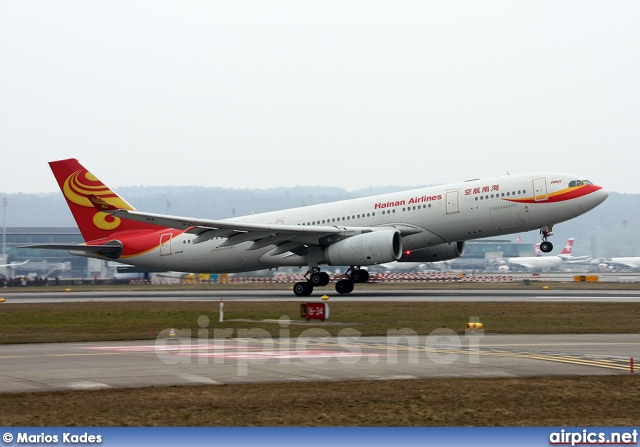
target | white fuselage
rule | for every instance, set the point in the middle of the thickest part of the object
(426, 217)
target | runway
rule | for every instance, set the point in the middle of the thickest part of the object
(535, 294)
(178, 360)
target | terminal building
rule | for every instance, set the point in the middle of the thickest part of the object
(61, 264)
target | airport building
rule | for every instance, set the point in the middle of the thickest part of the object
(61, 264)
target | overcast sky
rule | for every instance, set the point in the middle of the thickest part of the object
(259, 94)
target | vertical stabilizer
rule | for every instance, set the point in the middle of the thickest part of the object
(568, 247)
(78, 185)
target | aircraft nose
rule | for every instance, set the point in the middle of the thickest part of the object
(602, 195)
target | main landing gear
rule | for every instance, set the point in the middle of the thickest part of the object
(545, 245)
(316, 278)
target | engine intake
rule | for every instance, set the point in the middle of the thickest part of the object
(372, 248)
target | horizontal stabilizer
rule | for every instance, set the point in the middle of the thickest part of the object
(111, 250)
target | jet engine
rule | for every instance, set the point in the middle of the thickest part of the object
(441, 252)
(372, 248)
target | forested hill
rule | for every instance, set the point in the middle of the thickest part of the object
(612, 229)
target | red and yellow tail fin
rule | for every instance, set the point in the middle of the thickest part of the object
(79, 186)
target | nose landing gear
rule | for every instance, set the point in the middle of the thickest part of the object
(545, 245)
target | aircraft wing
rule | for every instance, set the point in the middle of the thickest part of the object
(577, 259)
(285, 237)
(14, 264)
(182, 223)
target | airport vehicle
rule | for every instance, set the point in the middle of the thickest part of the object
(542, 262)
(422, 225)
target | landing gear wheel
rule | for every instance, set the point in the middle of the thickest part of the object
(319, 279)
(345, 286)
(303, 288)
(546, 246)
(360, 276)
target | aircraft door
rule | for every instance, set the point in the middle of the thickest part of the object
(453, 204)
(540, 189)
(165, 244)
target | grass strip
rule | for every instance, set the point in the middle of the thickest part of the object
(103, 321)
(532, 401)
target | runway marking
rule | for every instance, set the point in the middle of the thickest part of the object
(329, 349)
(575, 359)
(88, 385)
(200, 379)
(56, 355)
(237, 352)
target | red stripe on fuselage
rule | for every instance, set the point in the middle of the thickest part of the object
(562, 195)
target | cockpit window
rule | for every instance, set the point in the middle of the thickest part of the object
(575, 183)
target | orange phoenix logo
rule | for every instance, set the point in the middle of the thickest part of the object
(80, 186)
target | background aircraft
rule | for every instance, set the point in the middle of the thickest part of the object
(541, 262)
(622, 263)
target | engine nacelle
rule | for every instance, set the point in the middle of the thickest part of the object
(372, 248)
(441, 252)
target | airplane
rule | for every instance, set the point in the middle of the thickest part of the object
(542, 262)
(420, 225)
(628, 262)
